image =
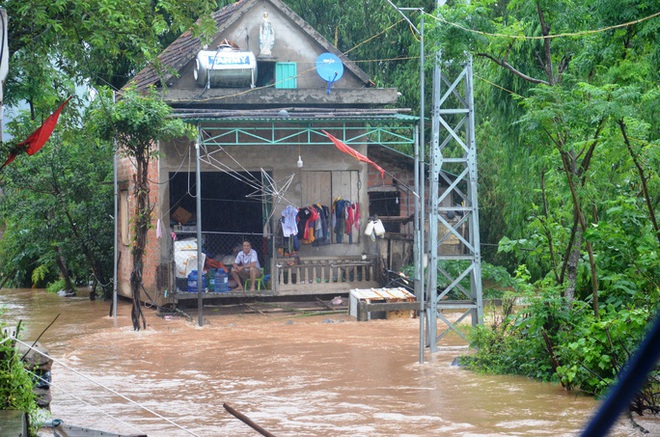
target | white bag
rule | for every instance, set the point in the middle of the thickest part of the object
(379, 229)
(369, 229)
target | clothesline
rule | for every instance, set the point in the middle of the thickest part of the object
(319, 225)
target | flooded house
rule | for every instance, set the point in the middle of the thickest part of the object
(289, 131)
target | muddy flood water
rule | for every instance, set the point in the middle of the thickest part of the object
(322, 375)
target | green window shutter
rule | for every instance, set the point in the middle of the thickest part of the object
(285, 75)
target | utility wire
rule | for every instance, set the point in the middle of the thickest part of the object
(559, 35)
(170, 421)
(67, 393)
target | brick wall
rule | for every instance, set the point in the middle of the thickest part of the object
(151, 262)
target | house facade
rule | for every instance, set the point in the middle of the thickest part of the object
(267, 96)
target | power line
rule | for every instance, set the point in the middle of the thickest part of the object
(559, 35)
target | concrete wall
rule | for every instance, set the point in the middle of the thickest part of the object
(292, 44)
(153, 264)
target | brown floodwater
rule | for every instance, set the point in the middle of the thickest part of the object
(323, 375)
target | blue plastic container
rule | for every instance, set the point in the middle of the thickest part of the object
(221, 281)
(192, 282)
(211, 279)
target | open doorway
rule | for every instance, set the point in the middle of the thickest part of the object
(228, 215)
(385, 205)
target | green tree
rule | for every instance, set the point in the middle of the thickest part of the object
(65, 218)
(566, 99)
(103, 47)
(137, 122)
(56, 209)
(569, 155)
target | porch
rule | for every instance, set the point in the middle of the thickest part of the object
(242, 185)
(304, 277)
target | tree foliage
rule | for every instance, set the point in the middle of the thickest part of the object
(57, 205)
(101, 42)
(568, 99)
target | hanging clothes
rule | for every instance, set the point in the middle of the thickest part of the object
(311, 223)
(318, 226)
(349, 218)
(340, 218)
(291, 244)
(289, 221)
(356, 215)
(311, 216)
(321, 230)
(303, 216)
(325, 222)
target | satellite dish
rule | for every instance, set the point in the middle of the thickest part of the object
(330, 68)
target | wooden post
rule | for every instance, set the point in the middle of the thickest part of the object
(243, 418)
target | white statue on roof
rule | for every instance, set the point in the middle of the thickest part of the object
(266, 36)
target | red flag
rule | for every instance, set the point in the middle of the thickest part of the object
(38, 138)
(354, 153)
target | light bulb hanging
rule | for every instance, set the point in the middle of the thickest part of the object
(300, 161)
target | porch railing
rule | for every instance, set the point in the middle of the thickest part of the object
(288, 275)
(323, 274)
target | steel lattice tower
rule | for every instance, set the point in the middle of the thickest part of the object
(453, 215)
(455, 283)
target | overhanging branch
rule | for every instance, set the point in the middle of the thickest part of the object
(512, 69)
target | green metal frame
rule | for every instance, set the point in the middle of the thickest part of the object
(394, 131)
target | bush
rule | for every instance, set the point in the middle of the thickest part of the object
(16, 384)
(549, 340)
(598, 350)
(520, 342)
(56, 286)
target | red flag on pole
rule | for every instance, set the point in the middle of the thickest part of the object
(38, 138)
(354, 153)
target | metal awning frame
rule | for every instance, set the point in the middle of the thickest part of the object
(282, 132)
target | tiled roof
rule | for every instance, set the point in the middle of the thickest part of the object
(180, 52)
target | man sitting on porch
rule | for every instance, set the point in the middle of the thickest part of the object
(246, 266)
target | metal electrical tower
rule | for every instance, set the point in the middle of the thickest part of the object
(453, 279)
(453, 215)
